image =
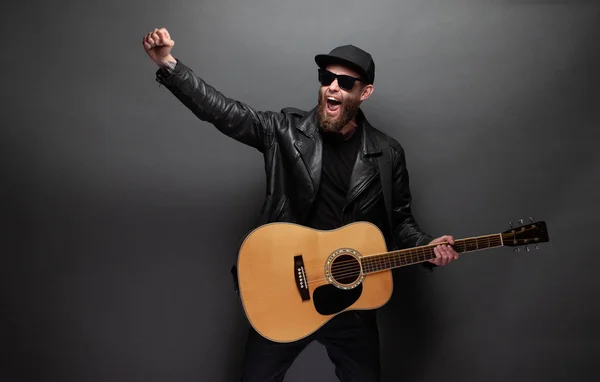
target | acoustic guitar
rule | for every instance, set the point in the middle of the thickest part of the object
(293, 279)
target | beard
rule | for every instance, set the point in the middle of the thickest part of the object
(348, 110)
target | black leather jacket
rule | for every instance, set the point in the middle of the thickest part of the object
(291, 145)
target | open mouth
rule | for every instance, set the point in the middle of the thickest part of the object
(333, 105)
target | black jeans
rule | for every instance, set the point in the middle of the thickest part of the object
(351, 340)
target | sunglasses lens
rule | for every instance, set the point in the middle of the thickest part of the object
(346, 82)
(325, 77)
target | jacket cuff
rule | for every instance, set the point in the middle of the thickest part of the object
(166, 75)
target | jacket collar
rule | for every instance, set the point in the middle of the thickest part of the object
(370, 145)
(309, 126)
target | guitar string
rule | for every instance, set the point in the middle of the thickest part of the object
(395, 257)
(351, 270)
(353, 273)
(312, 282)
(496, 239)
(349, 266)
(389, 258)
(414, 252)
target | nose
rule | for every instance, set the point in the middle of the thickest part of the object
(334, 87)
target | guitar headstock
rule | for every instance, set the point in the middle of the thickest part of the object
(528, 234)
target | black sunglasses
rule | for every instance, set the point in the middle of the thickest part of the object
(344, 81)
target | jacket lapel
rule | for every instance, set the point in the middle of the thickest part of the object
(310, 147)
(365, 169)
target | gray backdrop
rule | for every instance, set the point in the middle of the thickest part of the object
(122, 212)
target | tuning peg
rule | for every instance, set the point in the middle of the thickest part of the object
(521, 221)
(537, 246)
(527, 248)
(517, 250)
(530, 219)
(510, 225)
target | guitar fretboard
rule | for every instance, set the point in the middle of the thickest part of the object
(410, 256)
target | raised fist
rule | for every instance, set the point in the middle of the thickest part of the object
(158, 45)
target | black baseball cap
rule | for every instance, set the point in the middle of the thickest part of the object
(351, 57)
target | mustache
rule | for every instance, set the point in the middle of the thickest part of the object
(338, 96)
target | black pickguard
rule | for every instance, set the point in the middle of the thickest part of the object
(330, 300)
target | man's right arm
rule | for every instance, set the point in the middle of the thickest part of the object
(233, 118)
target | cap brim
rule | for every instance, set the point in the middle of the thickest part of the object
(323, 60)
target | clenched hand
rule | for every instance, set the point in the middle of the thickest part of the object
(158, 45)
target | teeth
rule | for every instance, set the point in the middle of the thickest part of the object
(333, 99)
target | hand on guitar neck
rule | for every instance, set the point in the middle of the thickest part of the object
(444, 252)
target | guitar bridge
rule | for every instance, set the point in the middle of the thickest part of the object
(301, 279)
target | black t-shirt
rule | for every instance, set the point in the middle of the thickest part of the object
(339, 157)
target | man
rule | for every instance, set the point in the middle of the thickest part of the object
(322, 172)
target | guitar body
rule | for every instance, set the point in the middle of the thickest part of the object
(294, 279)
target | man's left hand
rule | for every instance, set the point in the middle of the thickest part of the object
(444, 252)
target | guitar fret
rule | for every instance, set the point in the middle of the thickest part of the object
(416, 255)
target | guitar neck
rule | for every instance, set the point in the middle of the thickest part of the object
(410, 256)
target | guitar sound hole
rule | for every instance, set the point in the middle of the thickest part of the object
(345, 269)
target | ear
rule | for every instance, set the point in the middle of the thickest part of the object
(366, 92)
